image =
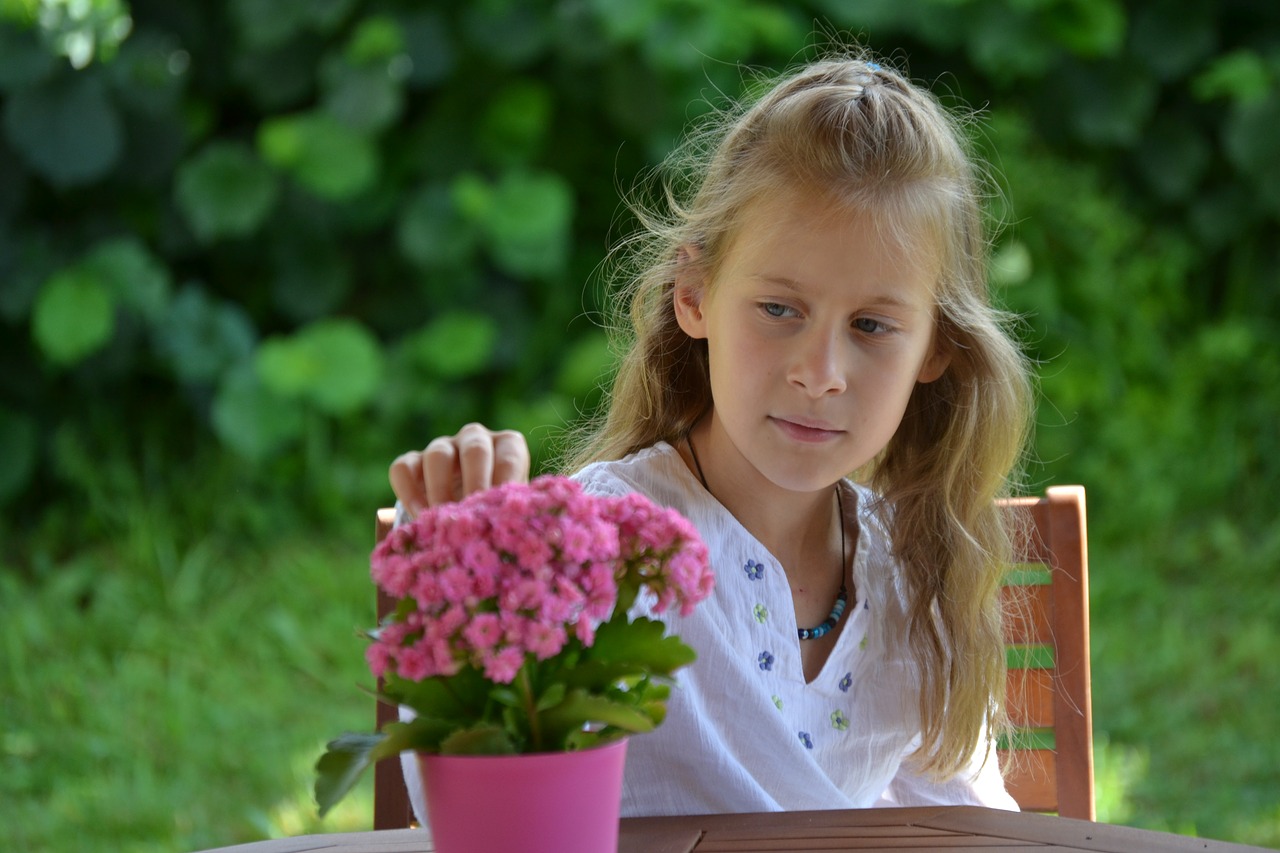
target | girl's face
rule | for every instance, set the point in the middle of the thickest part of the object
(817, 331)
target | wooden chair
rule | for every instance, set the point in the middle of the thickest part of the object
(391, 809)
(1049, 757)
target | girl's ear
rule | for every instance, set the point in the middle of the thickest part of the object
(937, 362)
(688, 292)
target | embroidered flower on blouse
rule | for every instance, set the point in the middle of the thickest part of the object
(862, 644)
(839, 721)
(846, 682)
(777, 701)
(806, 740)
(766, 661)
(761, 613)
(754, 570)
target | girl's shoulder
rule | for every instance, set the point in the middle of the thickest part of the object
(657, 472)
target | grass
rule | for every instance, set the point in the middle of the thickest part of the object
(166, 696)
(168, 686)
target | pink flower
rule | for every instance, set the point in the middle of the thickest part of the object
(484, 631)
(502, 667)
(544, 640)
(525, 569)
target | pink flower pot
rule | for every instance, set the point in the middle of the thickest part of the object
(551, 802)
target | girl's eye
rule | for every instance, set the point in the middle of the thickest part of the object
(775, 309)
(869, 326)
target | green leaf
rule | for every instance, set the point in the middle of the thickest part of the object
(551, 697)
(640, 643)
(455, 345)
(526, 218)
(323, 155)
(458, 697)
(376, 39)
(348, 756)
(73, 316)
(515, 125)
(429, 45)
(66, 129)
(336, 364)
(135, 277)
(225, 191)
(26, 61)
(268, 24)
(201, 336)
(588, 364)
(250, 419)
(1241, 76)
(19, 450)
(341, 766)
(364, 98)
(484, 739)
(580, 709)
(431, 232)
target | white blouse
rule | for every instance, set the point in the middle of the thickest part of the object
(744, 732)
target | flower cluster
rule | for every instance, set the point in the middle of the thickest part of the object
(518, 570)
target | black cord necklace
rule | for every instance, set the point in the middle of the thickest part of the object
(842, 598)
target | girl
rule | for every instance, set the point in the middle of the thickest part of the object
(814, 305)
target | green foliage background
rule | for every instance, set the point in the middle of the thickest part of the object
(251, 251)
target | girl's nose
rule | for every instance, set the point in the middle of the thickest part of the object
(816, 365)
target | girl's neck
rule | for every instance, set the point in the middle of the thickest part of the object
(790, 524)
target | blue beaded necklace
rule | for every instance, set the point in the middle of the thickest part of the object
(842, 598)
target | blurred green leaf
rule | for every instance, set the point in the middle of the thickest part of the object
(515, 125)
(431, 233)
(73, 316)
(1111, 103)
(365, 98)
(312, 276)
(428, 46)
(225, 191)
(1249, 138)
(134, 277)
(85, 29)
(19, 450)
(252, 420)
(376, 40)
(588, 362)
(26, 62)
(268, 24)
(1172, 37)
(200, 337)
(454, 345)
(526, 218)
(1241, 75)
(1174, 157)
(1091, 28)
(150, 72)
(331, 160)
(513, 34)
(66, 129)
(336, 364)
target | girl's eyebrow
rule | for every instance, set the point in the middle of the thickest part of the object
(883, 300)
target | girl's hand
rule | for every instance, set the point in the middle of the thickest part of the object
(452, 467)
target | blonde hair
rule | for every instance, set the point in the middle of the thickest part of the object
(862, 136)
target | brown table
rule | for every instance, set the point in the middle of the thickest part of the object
(954, 828)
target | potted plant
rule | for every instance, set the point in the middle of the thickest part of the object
(523, 636)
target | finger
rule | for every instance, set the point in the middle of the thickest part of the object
(440, 471)
(475, 457)
(405, 475)
(510, 457)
